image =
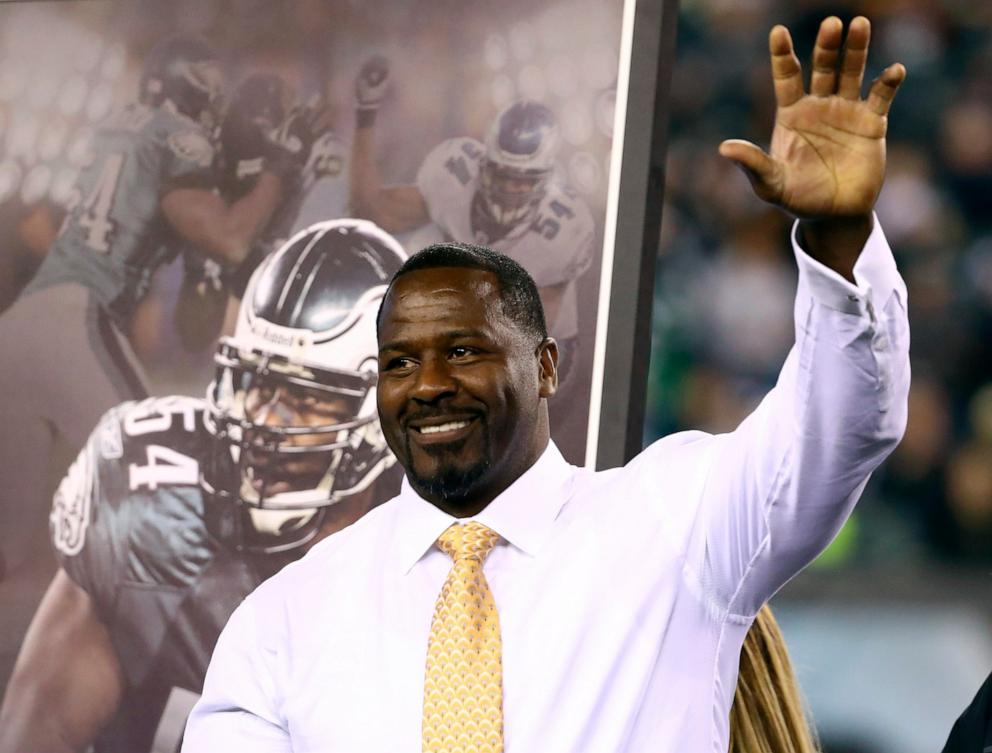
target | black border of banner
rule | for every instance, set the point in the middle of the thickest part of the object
(638, 225)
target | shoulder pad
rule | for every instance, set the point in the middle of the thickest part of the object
(191, 145)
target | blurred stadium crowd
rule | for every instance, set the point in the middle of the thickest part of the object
(725, 280)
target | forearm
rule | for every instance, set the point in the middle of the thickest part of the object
(784, 482)
(247, 217)
(199, 313)
(396, 209)
(364, 175)
(29, 724)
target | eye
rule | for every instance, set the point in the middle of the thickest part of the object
(462, 353)
(399, 364)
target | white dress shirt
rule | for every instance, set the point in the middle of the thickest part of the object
(624, 595)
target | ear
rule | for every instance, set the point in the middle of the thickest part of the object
(547, 359)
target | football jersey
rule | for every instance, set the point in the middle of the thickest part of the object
(128, 525)
(115, 236)
(555, 245)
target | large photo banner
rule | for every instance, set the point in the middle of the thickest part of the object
(173, 429)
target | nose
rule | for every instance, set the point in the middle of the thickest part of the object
(434, 381)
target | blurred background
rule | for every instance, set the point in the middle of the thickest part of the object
(890, 629)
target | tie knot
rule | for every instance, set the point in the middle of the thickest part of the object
(470, 540)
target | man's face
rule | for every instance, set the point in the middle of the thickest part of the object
(280, 405)
(460, 387)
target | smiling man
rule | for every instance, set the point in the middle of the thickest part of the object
(462, 434)
(506, 600)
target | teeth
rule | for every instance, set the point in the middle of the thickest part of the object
(452, 426)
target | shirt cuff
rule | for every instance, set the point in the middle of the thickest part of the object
(875, 274)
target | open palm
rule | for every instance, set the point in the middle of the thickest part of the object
(827, 155)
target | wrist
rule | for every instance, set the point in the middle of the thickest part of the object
(365, 116)
(836, 242)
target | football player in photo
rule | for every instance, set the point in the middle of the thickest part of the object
(147, 191)
(501, 193)
(177, 508)
(263, 114)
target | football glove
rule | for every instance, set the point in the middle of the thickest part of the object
(371, 86)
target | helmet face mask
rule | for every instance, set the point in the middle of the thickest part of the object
(511, 195)
(519, 162)
(292, 410)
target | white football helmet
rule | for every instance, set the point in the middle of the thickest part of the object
(519, 161)
(292, 408)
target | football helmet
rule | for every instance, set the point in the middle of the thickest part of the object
(185, 74)
(519, 161)
(292, 409)
(258, 106)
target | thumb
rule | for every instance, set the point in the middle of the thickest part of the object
(755, 162)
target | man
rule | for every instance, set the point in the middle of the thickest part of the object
(502, 194)
(573, 610)
(177, 508)
(147, 190)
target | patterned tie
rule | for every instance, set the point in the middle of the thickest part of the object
(463, 684)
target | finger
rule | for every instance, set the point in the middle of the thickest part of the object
(852, 70)
(757, 165)
(883, 89)
(826, 53)
(787, 75)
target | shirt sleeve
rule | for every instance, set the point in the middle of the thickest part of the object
(779, 488)
(240, 705)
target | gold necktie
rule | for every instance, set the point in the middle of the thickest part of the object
(463, 684)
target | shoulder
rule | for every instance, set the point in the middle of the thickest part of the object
(460, 147)
(450, 169)
(183, 138)
(672, 458)
(570, 212)
(131, 502)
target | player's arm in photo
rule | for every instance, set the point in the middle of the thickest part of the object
(221, 230)
(68, 681)
(202, 303)
(396, 208)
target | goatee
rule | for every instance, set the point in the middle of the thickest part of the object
(452, 483)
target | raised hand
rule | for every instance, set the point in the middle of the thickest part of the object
(827, 155)
(372, 83)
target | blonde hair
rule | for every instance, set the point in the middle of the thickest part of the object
(768, 714)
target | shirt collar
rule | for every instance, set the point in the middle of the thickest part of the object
(523, 514)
